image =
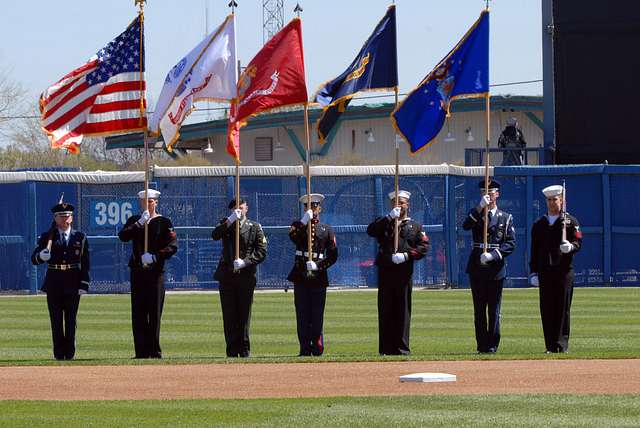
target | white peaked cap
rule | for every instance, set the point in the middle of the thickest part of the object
(555, 190)
(401, 194)
(151, 194)
(316, 198)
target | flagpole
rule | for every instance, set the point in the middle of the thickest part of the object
(140, 4)
(396, 184)
(308, 174)
(307, 137)
(233, 5)
(486, 171)
(397, 177)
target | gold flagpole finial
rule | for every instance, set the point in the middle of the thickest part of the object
(140, 4)
(232, 4)
(298, 9)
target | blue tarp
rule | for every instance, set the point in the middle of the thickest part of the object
(605, 199)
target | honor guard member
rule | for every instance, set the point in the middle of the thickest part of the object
(551, 268)
(147, 272)
(395, 271)
(486, 270)
(237, 277)
(66, 252)
(309, 278)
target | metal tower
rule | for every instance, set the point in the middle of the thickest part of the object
(272, 18)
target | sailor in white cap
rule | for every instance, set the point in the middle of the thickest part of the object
(395, 272)
(486, 269)
(309, 277)
(66, 252)
(555, 238)
(147, 271)
(237, 276)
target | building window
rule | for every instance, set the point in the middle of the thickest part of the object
(264, 149)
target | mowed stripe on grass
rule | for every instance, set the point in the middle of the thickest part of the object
(605, 324)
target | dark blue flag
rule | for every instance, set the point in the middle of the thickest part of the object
(463, 73)
(375, 67)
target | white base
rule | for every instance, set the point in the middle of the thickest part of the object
(428, 377)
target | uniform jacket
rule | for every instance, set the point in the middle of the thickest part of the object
(324, 249)
(411, 240)
(545, 244)
(163, 241)
(75, 252)
(501, 237)
(253, 249)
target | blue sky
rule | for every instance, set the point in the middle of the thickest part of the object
(44, 39)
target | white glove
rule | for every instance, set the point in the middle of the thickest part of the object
(394, 213)
(144, 217)
(238, 264)
(308, 215)
(486, 258)
(398, 258)
(533, 280)
(566, 247)
(311, 265)
(148, 258)
(81, 291)
(484, 201)
(45, 255)
(235, 215)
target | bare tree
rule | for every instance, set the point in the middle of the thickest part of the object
(12, 102)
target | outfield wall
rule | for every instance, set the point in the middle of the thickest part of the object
(605, 199)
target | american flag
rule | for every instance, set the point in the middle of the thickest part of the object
(102, 97)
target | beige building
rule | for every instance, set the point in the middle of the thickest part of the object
(364, 136)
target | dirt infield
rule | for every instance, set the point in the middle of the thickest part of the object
(316, 379)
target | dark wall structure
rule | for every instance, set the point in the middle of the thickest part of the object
(597, 81)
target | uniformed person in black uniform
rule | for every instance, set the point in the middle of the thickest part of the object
(67, 277)
(309, 278)
(237, 277)
(487, 269)
(551, 268)
(395, 271)
(147, 272)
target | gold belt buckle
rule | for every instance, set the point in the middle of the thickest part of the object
(63, 267)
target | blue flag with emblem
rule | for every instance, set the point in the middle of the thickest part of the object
(463, 73)
(375, 68)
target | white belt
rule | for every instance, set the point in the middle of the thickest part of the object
(477, 245)
(306, 254)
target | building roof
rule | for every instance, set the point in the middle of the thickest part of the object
(193, 136)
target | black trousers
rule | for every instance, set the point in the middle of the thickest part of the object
(147, 300)
(487, 299)
(236, 298)
(556, 293)
(309, 302)
(63, 309)
(394, 311)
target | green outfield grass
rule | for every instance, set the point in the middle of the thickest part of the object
(605, 324)
(446, 411)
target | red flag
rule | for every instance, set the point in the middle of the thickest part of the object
(233, 134)
(274, 78)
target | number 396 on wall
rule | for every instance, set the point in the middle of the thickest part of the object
(105, 214)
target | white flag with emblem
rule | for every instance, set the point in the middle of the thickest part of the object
(207, 73)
